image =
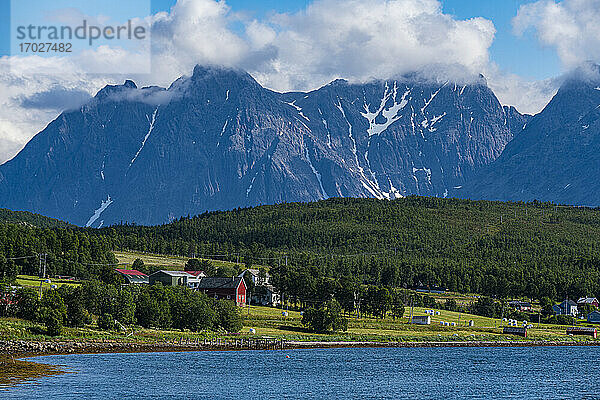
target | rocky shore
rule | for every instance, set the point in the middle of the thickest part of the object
(19, 348)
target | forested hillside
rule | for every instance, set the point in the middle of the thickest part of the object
(503, 249)
(26, 237)
(30, 218)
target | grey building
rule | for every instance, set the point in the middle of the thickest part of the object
(171, 278)
(594, 317)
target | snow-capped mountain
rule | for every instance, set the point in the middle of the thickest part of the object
(556, 158)
(218, 140)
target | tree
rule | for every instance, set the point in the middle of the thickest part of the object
(193, 264)
(228, 316)
(486, 307)
(53, 319)
(191, 310)
(451, 305)
(397, 306)
(28, 303)
(108, 275)
(547, 306)
(146, 310)
(325, 318)
(139, 265)
(124, 310)
(52, 301)
(77, 315)
(152, 307)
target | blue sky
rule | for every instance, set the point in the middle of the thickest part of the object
(519, 55)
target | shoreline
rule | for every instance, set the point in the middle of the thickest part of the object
(14, 370)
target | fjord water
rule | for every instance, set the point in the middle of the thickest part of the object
(420, 373)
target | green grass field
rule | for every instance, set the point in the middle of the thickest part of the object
(34, 281)
(166, 262)
(270, 322)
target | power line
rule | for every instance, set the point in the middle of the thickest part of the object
(21, 258)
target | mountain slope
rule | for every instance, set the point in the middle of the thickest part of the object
(218, 140)
(556, 158)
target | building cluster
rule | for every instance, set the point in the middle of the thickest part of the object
(233, 288)
(580, 308)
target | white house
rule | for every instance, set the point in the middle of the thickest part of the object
(567, 307)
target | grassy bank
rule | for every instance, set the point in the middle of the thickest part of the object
(270, 322)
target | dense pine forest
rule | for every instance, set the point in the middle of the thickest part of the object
(530, 250)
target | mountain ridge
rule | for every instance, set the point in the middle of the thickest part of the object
(219, 140)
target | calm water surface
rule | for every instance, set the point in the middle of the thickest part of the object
(453, 373)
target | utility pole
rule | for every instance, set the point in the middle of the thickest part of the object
(42, 269)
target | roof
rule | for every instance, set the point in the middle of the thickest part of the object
(252, 271)
(219, 283)
(130, 272)
(519, 303)
(569, 302)
(172, 273)
(587, 300)
(196, 273)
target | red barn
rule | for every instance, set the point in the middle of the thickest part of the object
(224, 288)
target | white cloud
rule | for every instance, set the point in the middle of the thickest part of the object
(570, 26)
(529, 97)
(360, 40)
(19, 120)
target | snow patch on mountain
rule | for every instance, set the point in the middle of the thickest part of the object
(428, 102)
(299, 109)
(150, 129)
(99, 211)
(390, 115)
(426, 170)
(317, 174)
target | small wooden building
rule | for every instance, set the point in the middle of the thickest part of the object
(513, 330)
(421, 320)
(224, 288)
(582, 331)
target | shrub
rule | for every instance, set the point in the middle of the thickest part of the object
(53, 320)
(228, 316)
(107, 322)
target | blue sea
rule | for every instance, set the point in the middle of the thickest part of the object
(383, 373)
